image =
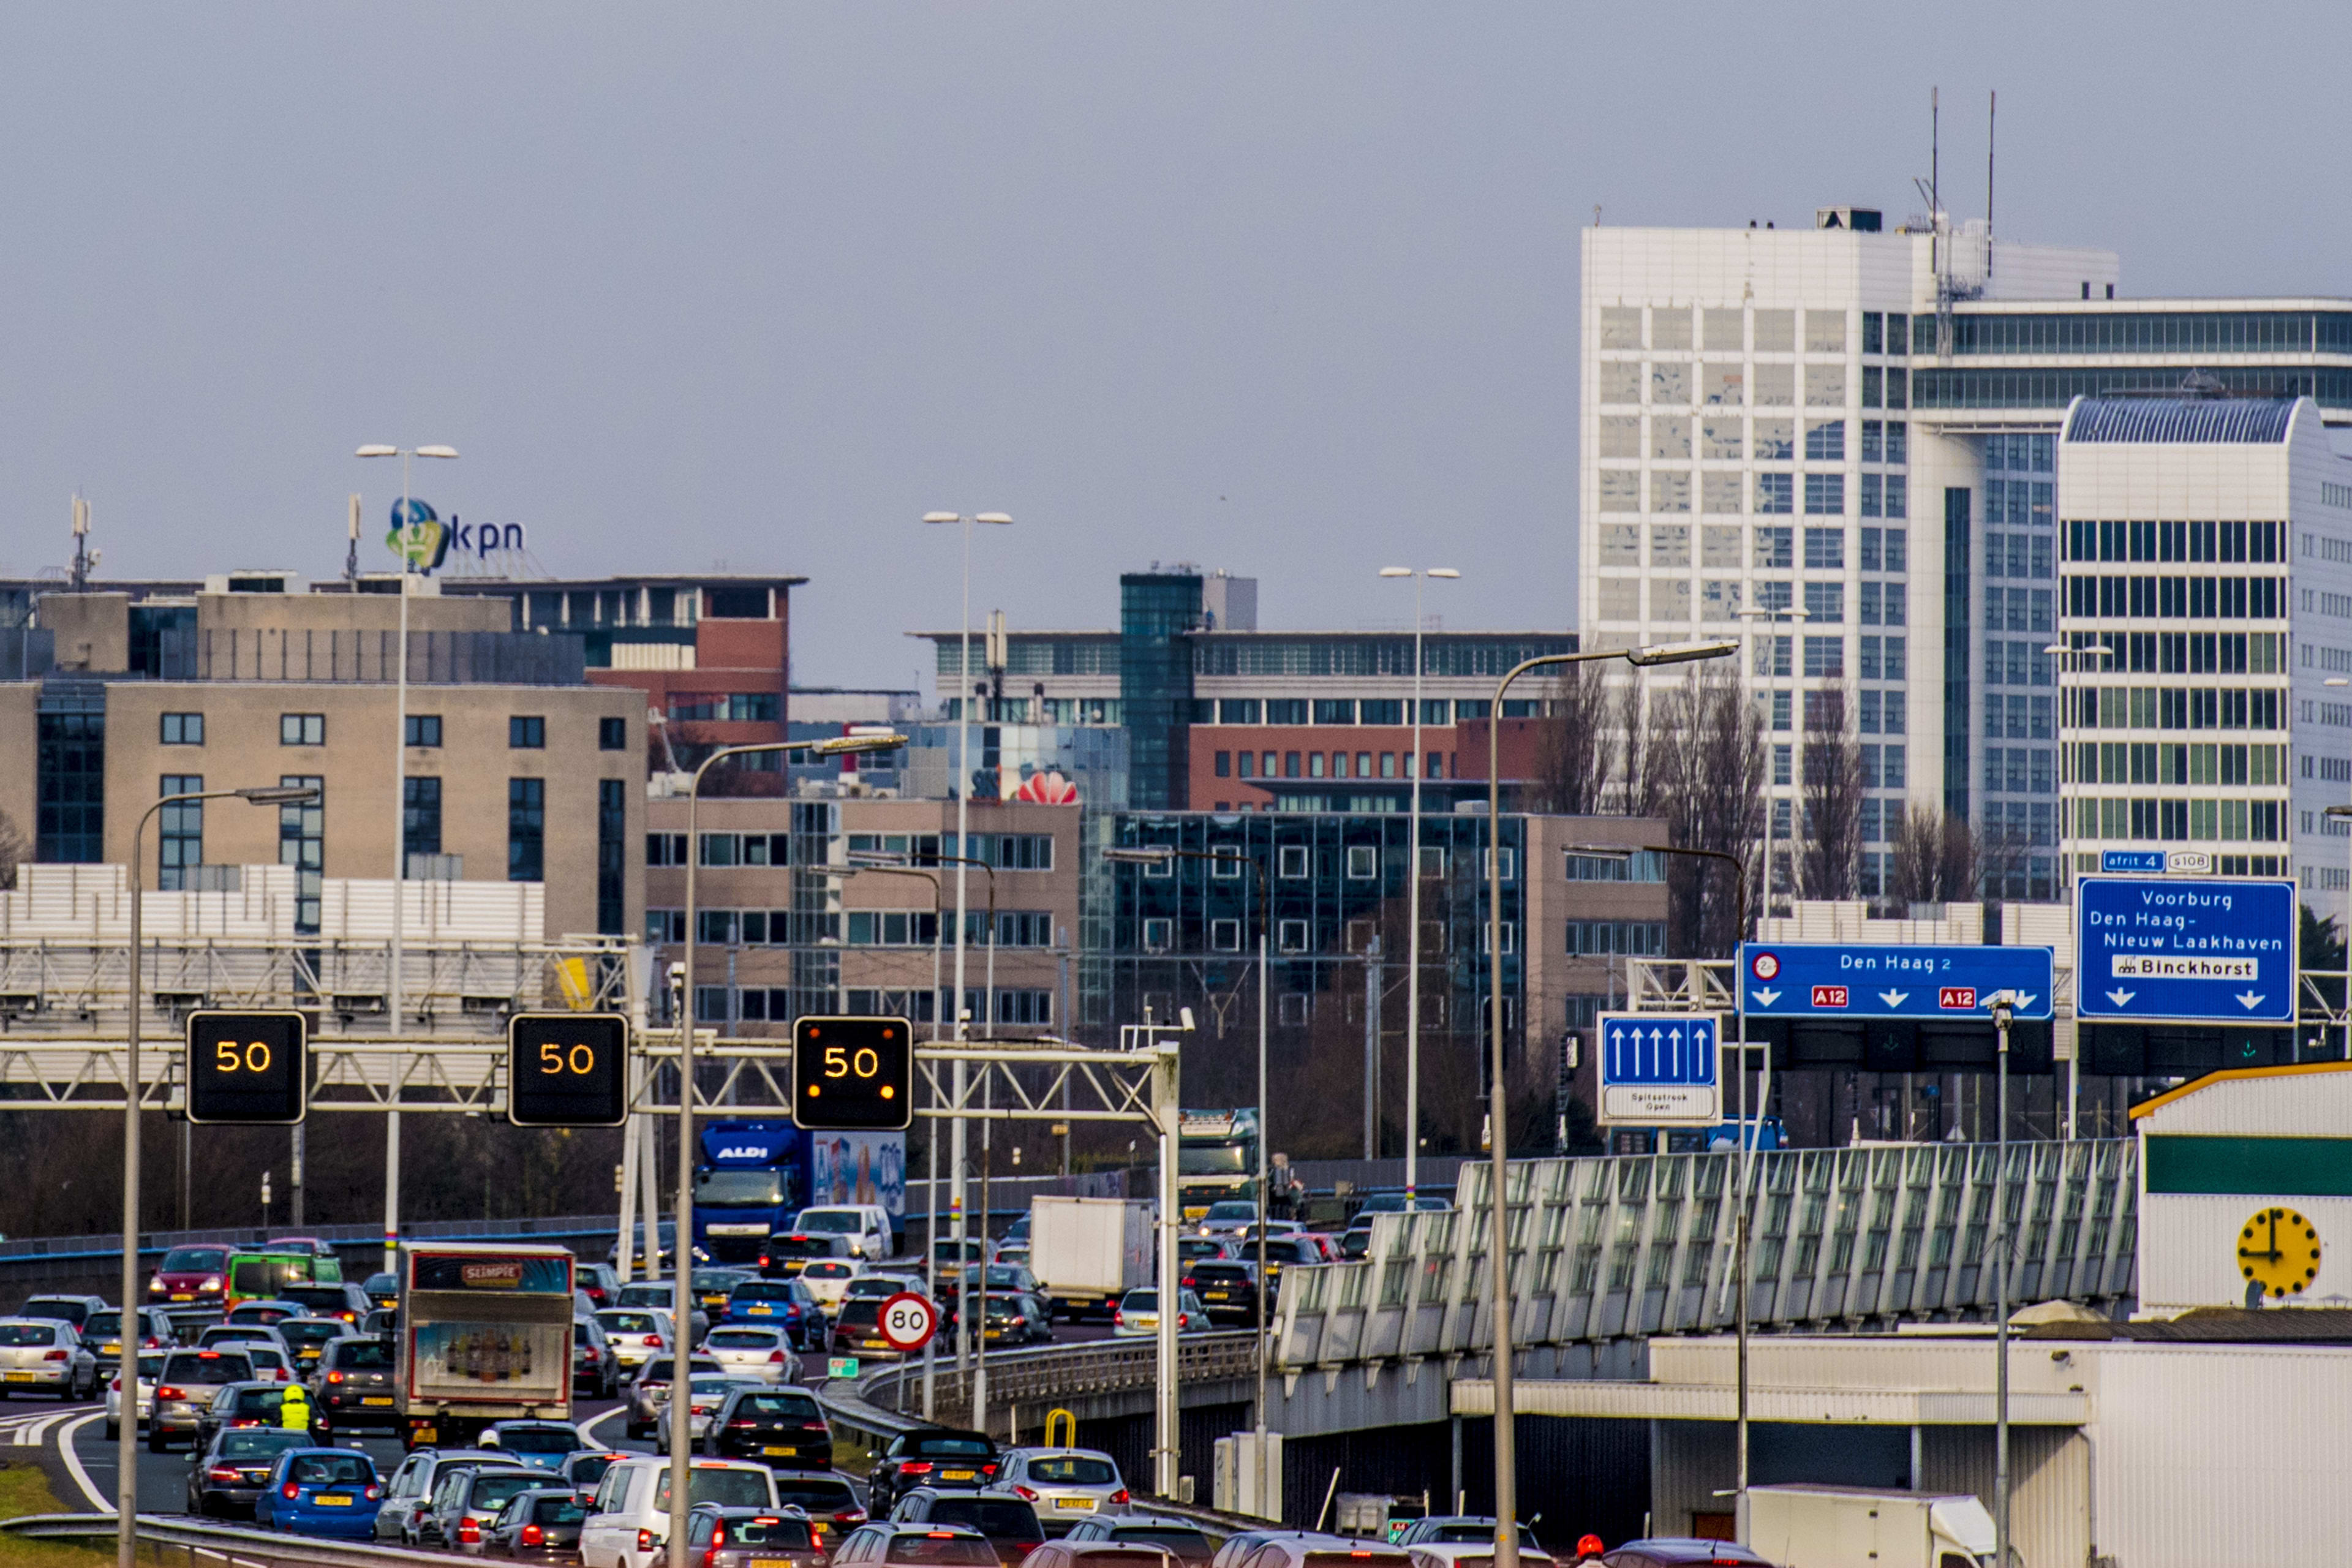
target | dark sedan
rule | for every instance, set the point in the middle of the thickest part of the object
(240, 1406)
(354, 1386)
(777, 1426)
(542, 1524)
(934, 1456)
(752, 1538)
(230, 1472)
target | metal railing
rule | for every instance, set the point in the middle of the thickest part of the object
(222, 1542)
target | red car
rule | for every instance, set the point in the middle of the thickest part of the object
(189, 1276)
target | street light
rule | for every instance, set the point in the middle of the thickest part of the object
(681, 1430)
(1164, 855)
(1506, 1530)
(1413, 897)
(2068, 657)
(2003, 1004)
(126, 1488)
(399, 840)
(2344, 814)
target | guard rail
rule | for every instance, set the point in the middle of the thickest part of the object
(224, 1543)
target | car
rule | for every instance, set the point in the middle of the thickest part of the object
(1356, 1243)
(1283, 1252)
(320, 1492)
(788, 1253)
(1472, 1554)
(1180, 1537)
(44, 1355)
(582, 1470)
(411, 1487)
(1020, 1319)
(1018, 1230)
(792, 1305)
(270, 1365)
(708, 1393)
(74, 1309)
(976, 1249)
(541, 1444)
(1139, 1313)
(1071, 1553)
(1231, 1218)
(1014, 1254)
(542, 1524)
(719, 1537)
(103, 1335)
(872, 1238)
(231, 1469)
(382, 1323)
(650, 1391)
(628, 1523)
(777, 1427)
(308, 1338)
(881, 1287)
(1002, 1278)
(267, 1312)
(602, 1282)
(595, 1371)
(635, 1335)
(1456, 1528)
(302, 1245)
(1009, 1522)
(711, 1287)
(187, 1382)
(932, 1456)
(857, 1331)
(1065, 1484)
(886, 1545)
(149, 1363)
(1323, 1552)
(1193, 1249)
(833, 1508)
(658, 1297)
(215, 1335)
(240, 1405)
(1228, 1290)
(384, 1290)
(1673, 1551)
(351, 1386)
(189, 1277)
(348, 1303)
(827, 1277)
(1236, 1547)
(667, 1234)
(765, 1354)
(466, 1501)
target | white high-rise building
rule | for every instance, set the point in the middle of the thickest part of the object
(1843, 445)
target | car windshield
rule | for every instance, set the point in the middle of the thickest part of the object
(786, 1534)
(107, 1322)
(1069, 1470)
(716, 1279)
(195, 1260)
(741, 1340)
(713, 1387)
(832, 1222)
(881, 1284)
(259, 1442)
(727, 1488)
(951, 1447)
(629, 1323)
(1140, 1302)
(988, 1515)
(328, 1298)
(1003, 1307)
(645, 1295)
(942, 1548)
(800, 1247)
(539, 1439)
(590, 1468)
(816, 1495)
(740, 1189)
(1232, 1210)
(50, 1307)
(1175, 1536)
(1355, 1559)
(866, 1313)
(558, 1510)
(258, 1401)
(1217, 1159)
(800, 1406)
(827, 1269)
(762, 1291)
(209, 1366)
(28, 1334)
(310, 1332)
(496, 1491)
(149, 1365)
(331, 1469)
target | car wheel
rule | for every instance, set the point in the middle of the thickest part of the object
(156, 1442)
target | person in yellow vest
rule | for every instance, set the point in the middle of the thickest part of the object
(294, 1409)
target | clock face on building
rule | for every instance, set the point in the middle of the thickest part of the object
(2279, 1250)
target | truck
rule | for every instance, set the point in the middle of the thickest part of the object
(1088, 1252)
(753, 1177)
(1216, 1158)
(1863, 1527)
(485, 1335)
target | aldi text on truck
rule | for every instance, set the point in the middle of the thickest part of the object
(1216, 1158)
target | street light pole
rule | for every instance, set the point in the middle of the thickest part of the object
(1413, 904)
(2004, 1005)
(126, 1365)
(2067, 658)
(1507, 1532)
(2344, 814)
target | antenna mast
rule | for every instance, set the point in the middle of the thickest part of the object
(1941, 255)
(351, 550)
(82, 562)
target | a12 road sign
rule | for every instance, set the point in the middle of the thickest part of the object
(1864, 980)
(1660, 1069)
(2185, 950)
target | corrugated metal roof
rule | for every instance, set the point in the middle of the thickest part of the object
(2232, 420)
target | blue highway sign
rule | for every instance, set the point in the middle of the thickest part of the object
(2189, 949)
(1661, 1069)
(1870, 979)
(2148, 862)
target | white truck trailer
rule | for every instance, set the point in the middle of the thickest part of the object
(1088, 1252)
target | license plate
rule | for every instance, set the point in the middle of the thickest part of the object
(875, 1344)
(184, 1295)
(781, 1453)
(1213, 1296)
(763, 1311)
(956, 1474)
(20, 1377)
(1078, 1504)
(771, 1562)
(325, 1502)
(376, 1399)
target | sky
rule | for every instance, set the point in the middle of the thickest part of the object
(1288, 290)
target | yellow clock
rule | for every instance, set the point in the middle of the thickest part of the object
(2279, 1251)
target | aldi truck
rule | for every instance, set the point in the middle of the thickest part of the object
(754, 1177)
(485, 1335)
(1088, 1252)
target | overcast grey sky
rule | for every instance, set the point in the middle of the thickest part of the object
(1285, 288)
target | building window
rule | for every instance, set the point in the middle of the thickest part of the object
(1225, 764)
(1775, 493)
(1291, 860)
(665, 925)
(1159, 934)
(1824, 495)
(665, 849)
(1363, 862)
(302, 844)
(301, 728)
(183, 729)
(1510, 867)
(424, 730)
(182, 829)
(526, 732)
(1639, 939)
(420, 817)
(526, 830)
(612, 734)
(1226, 936)
(1292, 936)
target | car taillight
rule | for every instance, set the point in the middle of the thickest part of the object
(468, 1531)
(741, 1425)
(988, 1470)
(595, 1355)
(374, 1493)
(222, 1473)
(116, 1384)
(1118, 1318)
(1119, 1496)
(166, 1392)
(282, 1376)
(55, 1355)
(533, 1536)
(335, 1377)
(292, 1490)
(1024, 1491)
(775, 1358)
(653, 1341)
(1183, 1319)
(916, 1468)
(645, 1540)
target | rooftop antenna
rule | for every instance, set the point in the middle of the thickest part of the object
(351, 550)
(1940, 258)
(1992, 115)
(83, 561)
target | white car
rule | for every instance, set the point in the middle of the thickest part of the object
(149, 1365)
(1228, 1218)
(867, 1227)
(828, 1278)
(637, 1334)
(762, 1353)
(1065, 1483)
(881, 1287)
(1139, 1313)
(628, 1523)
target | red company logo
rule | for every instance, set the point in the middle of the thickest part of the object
(1829, 996)
(1962, 998)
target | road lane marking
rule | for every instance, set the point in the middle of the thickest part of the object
(99, 1502)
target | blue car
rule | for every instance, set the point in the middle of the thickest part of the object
(320, 1492)
(786, 1304)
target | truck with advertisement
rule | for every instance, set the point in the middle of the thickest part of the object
(1088, 1252)
(1216, 1158)
(753, 1177)
(485, 1335)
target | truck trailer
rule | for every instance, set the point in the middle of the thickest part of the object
(485, 1335)
(1088, 1252)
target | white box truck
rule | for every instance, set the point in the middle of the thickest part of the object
(1860, 1527)
(1088, 1252)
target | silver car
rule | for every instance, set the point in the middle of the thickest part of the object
(45, 1355)
(762, 1355)
(1065, 1484)
(709, 1393)
(636, 1335)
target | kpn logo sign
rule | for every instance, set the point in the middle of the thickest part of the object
(423, 541)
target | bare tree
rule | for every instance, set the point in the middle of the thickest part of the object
(1637, 790)
(1832, 796)
(1577, 754)
(1703, 773)
(1934, 859)
(2004, 855)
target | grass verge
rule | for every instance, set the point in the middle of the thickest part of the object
(25, 1489)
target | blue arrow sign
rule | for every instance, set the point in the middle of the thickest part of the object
(1855, 980)
(2192, 950)
(1660, 1069)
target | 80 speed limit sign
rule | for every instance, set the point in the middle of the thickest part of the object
(908, 1322)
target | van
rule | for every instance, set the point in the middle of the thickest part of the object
(866, 1227)
(628, 1523)
(263, 1276)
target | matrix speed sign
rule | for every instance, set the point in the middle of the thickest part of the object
(908, 1322)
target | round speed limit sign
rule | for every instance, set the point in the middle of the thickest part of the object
(908, 1322)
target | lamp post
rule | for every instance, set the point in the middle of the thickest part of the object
(2068, 658)
(681, 1428)
(399, 833)
(1412, 900)
(2344, 814)
(956, 1151)
(126, 1458)
(1507, 1532)
(1771, 677)
(1162, 855)
(2003, 1004)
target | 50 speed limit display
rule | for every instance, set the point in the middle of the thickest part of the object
(250, 1067)
(853, 1075)
(567, 1069)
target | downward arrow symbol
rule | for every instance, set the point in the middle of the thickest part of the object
(1892, 998)
(2252, 999)
(2025, 1001)
(2119, 997)
(1767, 997)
